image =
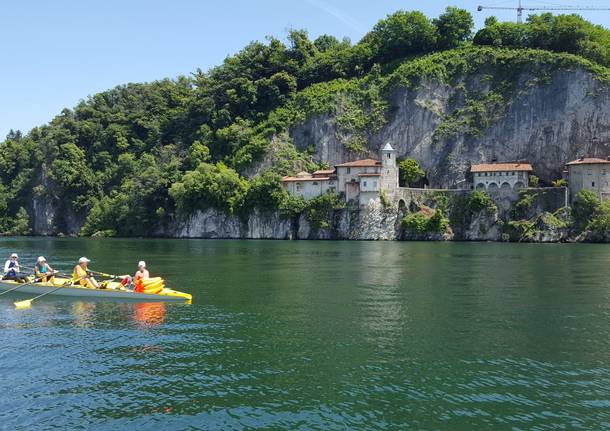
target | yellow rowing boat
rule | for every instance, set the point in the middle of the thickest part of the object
(154, 290)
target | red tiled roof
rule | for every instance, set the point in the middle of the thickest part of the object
(588, 161)
(369, 174)
(501, 167)
(358, 163)
(324, 172)
(290, 179)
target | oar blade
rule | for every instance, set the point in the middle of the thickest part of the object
(22, 305)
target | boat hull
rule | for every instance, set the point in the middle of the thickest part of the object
(83, 292)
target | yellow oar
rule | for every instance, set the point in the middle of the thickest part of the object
(20, 305)
(103, 274)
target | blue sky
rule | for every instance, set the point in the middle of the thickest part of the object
(56, 52)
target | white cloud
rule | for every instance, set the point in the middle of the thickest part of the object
(341, 15)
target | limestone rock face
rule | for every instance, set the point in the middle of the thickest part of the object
(48, 217)
(483, 227)
(547, 123)
(372, 222)
(320, 133)
(212, 223)
(376, 222)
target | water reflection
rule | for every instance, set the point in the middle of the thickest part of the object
(149, 313)
(84, 314)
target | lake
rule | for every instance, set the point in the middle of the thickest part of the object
(316, 335)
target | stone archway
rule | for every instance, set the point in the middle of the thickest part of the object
(480, 186)
(402, 205)
(492, 186)
(505, 186)
(519, 185)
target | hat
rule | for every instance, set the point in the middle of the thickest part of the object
(141, 263)
(83, 260)
(15, 255)
(41, 259)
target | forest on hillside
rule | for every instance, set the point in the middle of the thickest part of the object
(127, 160)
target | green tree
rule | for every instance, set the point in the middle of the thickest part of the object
(600, 219)
(320, 210)
(453, 27)
(416, 222)
(402, 33)
(209, 185)
(410, 171)
(560, 33)
(325, 43)
(20, 223)
(585, 206)
(73, 176)
(479, 200)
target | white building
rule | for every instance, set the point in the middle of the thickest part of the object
(309, 186)
(589, 173)
(506, 176)
(360, 180)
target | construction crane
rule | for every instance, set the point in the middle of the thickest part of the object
(520, 9)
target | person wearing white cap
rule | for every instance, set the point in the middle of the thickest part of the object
(12, 270)
(82, 276)
(141, 275)
(42, 270)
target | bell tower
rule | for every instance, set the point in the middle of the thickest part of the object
(389, 169)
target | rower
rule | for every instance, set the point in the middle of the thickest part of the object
(12, 270)
(82, 276)
(42, 270)
(140, 275)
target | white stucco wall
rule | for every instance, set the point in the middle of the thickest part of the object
(310, 188)
(487, 180)
(349, 174)
(594, 177)
(369, 184)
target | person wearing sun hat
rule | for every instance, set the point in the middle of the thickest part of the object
(43, 271)
(12, 270)
(82, 276)
(141, 275)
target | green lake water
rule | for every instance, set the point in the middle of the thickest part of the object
(316, 335)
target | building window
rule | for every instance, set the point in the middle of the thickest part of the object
(389, 156)
(315, 183)
(349, 170)
(592, 183)
(364, 184)
(374, 184)
(603, 172)
(298, 187)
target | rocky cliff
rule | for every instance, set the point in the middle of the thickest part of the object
(546, 121)
(536, 209)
